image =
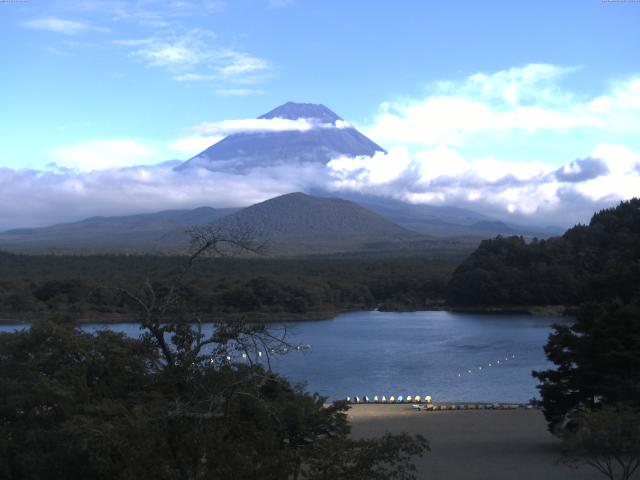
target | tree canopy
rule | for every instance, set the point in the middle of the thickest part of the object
(597, 362)
(597, 262)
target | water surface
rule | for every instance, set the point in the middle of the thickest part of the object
(442, 354)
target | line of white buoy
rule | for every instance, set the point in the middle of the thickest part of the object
(490, 364)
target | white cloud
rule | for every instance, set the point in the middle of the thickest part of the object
(533, 192)
(512, 102)
(102, 154)
(256, 125)
(59, 25)
(241, 64)
(60, 195)
(175, 51)
(189, 146)
(196, 56)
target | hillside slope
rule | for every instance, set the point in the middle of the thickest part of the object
(588, 263)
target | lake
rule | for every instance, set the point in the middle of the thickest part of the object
(451, 356)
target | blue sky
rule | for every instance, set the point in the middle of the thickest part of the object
(491, 89)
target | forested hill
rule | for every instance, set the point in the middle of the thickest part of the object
(588, 263)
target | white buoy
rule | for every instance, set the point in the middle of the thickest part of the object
(479, 368)
(468, 371)
(259, 354)
(375, 398)
(392, 399)
(409, 397)
(416, 399)
(459, 375)
(427, 398)
(384, 399)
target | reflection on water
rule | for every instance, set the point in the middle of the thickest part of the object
(452, 357)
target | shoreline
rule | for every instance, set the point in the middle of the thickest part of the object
(22, 318)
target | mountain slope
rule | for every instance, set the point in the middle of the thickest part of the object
(241, 151)
(291, 224)
(297, 214)
(148, 230)
(300, 223)
(442, 221)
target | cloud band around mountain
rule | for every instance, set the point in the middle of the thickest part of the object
(536, 193)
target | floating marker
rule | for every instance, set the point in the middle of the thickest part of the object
(259, 354)
(384, 399)
(375, 398)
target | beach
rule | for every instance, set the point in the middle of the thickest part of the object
(473, 444)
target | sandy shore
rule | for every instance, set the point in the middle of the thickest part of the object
(473, 444)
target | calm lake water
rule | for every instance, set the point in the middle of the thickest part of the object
(450, 356)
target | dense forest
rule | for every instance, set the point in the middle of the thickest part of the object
(93, 287)
(595, 262)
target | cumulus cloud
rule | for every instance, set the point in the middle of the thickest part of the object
(531, 192)
(101, 154)
(582, 170)
(517, 101)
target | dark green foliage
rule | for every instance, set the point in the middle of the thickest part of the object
(89, 285)
(597, 360)
(76, 406)
(597, 262)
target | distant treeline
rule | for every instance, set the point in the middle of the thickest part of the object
(595, 262)
(94, 285)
